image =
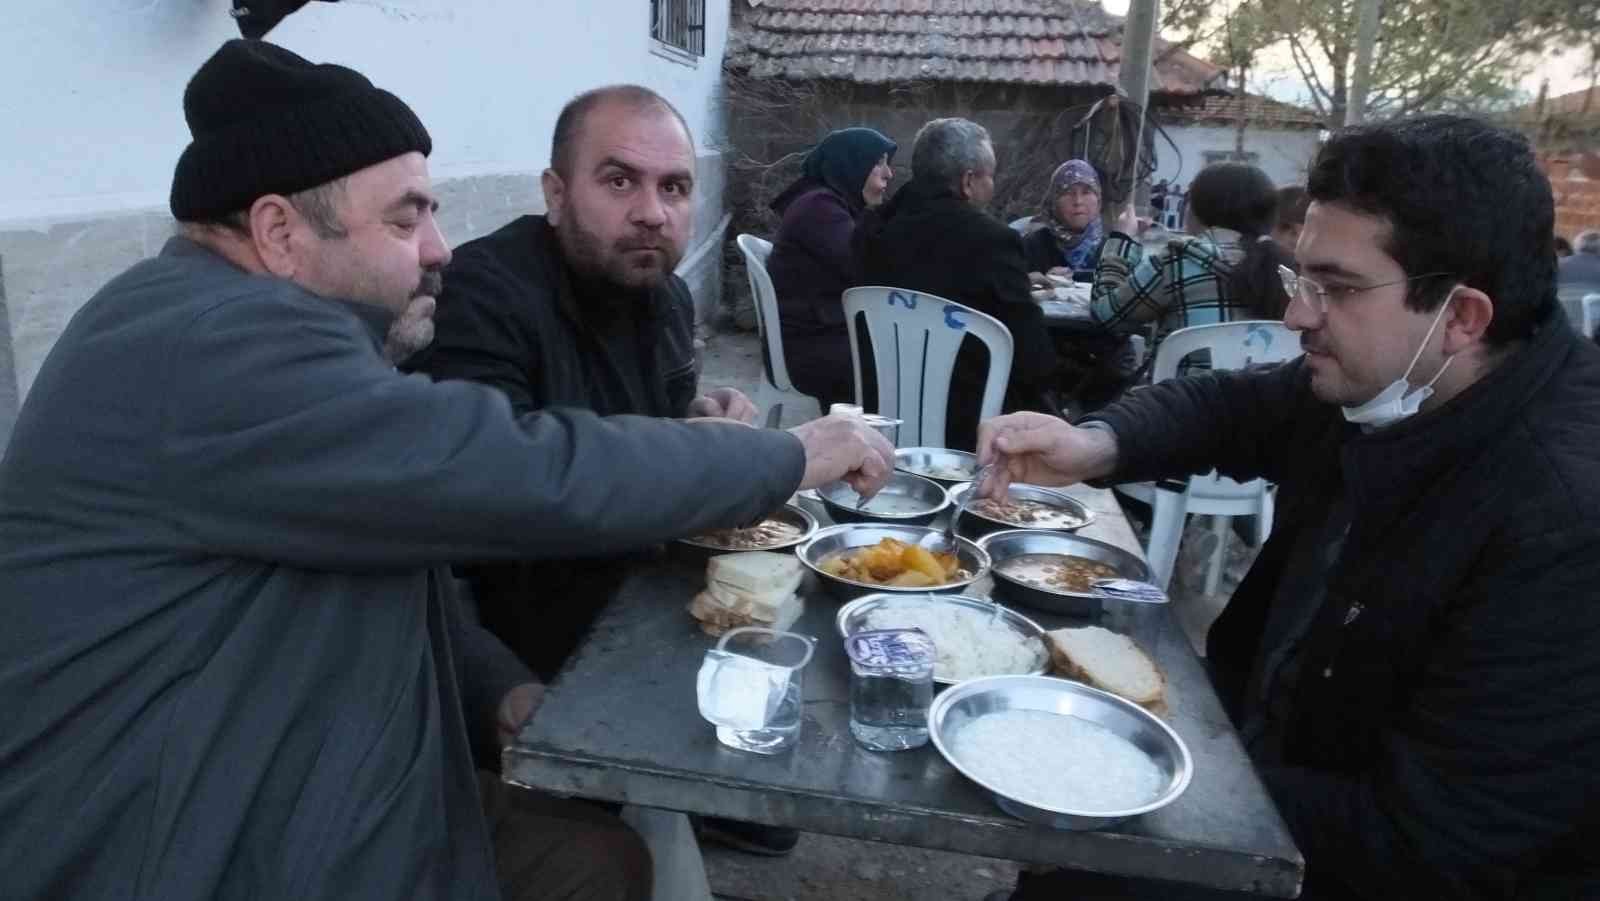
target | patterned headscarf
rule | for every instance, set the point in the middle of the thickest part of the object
(1077, 248)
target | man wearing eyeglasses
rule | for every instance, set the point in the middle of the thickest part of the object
(1413, 660)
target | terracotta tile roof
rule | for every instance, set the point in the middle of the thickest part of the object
(1044, 42)
(1254, 109)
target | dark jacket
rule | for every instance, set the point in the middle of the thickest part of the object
(926, 238)
(230, 669)
(1442, 738)
(1579, 269)
(1043, 251)
(513, 316)
(812, 262)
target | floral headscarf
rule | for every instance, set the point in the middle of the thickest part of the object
(1078, 248)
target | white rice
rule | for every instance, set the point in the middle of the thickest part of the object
(969, 643)
(1056, 761)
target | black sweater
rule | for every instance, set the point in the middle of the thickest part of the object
(1443, 737)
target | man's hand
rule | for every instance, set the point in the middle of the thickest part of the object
(845, 447)
(724, 403)
(517, 708)
(1041, 450)
(1127, 222)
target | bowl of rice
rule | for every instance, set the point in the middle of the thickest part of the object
(1059, 753)
(972, 637)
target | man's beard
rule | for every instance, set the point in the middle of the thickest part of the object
(586, 254)
(412, 330)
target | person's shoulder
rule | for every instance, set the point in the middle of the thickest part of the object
(519, 258)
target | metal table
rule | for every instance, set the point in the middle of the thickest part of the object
(620, 724)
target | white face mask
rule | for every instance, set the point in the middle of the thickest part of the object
(1393, 404)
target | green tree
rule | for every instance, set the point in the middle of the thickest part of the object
(1460, 55)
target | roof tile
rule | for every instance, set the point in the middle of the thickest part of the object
(1050, 42)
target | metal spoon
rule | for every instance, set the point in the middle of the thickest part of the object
(961, 508)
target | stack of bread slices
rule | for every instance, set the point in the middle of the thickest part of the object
(756, 588)
(1110, 662)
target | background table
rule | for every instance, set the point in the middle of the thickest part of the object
(620, 724)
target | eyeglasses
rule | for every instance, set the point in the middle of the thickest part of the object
(1315, 296)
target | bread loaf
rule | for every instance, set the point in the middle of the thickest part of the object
(760, 573)
(1111, 662)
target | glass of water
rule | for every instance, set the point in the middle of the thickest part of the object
(750, 687)
(891, 687)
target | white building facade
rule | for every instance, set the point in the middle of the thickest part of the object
(91, 121)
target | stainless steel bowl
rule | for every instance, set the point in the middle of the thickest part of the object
(913, 500)
(975, 523)
(945, 466)
(792, 514)
(850, 536)
(957, 707)
(852, 618)
(1016, 542)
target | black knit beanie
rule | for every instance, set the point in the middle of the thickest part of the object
(267, 121)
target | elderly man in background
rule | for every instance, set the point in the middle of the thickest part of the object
(935, 236)
(233, 668)
(1582, 269)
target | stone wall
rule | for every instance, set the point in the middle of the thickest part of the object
(1575, 179)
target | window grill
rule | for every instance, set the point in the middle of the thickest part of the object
(680, 23)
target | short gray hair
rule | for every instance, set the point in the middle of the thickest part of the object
(1587, 242)
(947, 148)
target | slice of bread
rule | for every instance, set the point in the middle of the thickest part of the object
(763, 604)
(715, 618)
(1109, 661)
(760, 573)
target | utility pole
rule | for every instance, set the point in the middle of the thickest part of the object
(1133, 74)
(1355, 107)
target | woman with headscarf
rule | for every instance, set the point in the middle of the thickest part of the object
(812, 263)
(1070, 238)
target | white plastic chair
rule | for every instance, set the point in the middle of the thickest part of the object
(1232, 345)
(775, 381)
(1591, 314)
(915, 338)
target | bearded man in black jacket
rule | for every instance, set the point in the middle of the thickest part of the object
(1413, 661)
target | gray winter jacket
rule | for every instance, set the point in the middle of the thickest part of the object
(226, 667)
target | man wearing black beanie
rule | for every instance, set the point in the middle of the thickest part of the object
(232, 665)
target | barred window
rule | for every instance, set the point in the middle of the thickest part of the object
(680, 23)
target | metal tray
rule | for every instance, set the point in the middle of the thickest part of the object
(936, 463)
(978, 523)
(1015, 542)
(963, 704)
(851, 618)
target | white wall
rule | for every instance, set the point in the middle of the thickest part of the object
(1283, 154)
(90, 90)
(91, 123)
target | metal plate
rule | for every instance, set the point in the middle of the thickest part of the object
(945, 466)
(849, 536)
(788, 513)
(963, 704)
(1015, 542)
(852, 617)
(905, 498)
(1044, 496)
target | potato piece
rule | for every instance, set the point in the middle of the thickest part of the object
(919, 559)
(912, 578)
(835, 566)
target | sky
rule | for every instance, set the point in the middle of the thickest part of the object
(1276, 77)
